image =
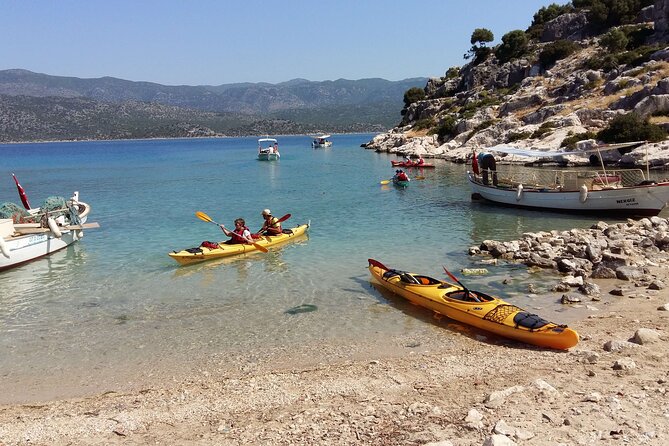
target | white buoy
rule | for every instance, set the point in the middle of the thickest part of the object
(519, 194)
(583, 193)
(54, 227)
(4, 248)
(79, 233)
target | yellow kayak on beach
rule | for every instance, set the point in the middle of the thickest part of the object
(218, 250)
(474, 308)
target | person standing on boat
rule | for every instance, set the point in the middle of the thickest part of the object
(271, 226)
(241, 234)
(487, 164)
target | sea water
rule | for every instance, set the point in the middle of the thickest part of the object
(115, 301)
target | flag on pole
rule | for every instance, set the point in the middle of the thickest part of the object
(475, 163)
(22, 194)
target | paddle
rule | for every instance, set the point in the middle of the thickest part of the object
(384, 182)
(457, 281)
(205, 217)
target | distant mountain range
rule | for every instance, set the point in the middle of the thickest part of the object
(36, 106)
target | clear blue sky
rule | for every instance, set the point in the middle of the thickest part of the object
(213, 42)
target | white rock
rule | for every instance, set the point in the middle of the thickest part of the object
(498, 440)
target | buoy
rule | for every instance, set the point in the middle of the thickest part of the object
(54, 227)
(583, 194)
(79, 233)
(4, 248)
(519, 194)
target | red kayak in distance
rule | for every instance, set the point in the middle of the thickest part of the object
(409, 164)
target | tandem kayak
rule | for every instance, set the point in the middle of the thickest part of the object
(201, 253)
(409, 164)
(474, 308)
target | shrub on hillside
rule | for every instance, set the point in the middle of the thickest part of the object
(514, 44)
(412, 95)
(570, 141)
(630, 127)
(447, 128)
(544, 15)
(614, 41)
(555, 51)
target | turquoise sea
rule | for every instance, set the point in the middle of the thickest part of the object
(114, 309)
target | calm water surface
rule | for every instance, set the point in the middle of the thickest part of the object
(116, 301)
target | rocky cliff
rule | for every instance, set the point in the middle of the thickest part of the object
(530, 102)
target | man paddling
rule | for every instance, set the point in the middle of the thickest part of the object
(271, 226)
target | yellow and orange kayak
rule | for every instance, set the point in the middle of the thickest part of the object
(474, 308)
(201, 254)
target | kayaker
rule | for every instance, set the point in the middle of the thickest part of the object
(401, 176)
(421, 161)
(271, 226)
(241, 234)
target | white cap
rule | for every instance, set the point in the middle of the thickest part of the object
(266, 212)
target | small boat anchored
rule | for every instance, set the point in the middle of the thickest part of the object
(270, 152)
(42, 231)
(616, 191)
(321, 141)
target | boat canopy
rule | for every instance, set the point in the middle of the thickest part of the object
(322, 136)
(536, 153)
(267, 140)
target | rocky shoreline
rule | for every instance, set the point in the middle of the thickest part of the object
(623, 251)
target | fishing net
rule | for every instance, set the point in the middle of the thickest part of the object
(15, 212)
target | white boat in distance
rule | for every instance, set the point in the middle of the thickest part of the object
(606, 191)
(23, 242)
(269, 153)
(321, 141)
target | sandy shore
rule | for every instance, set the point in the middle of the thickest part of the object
(456, 386)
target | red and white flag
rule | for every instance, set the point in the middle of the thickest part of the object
(22, 194)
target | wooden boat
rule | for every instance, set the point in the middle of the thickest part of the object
(269, 153)
(615, 191)
(51, 232)
(321, 141)
(473, 308)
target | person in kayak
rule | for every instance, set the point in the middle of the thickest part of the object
(401, 176)
(271, 226)
(241, 234)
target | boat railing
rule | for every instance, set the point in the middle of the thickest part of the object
(511, 177)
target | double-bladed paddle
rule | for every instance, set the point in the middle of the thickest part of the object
(204, 217)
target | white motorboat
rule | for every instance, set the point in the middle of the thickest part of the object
(51, 232)
(613, 191)
(321, 141)
(268, 149)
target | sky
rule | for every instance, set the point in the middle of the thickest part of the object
(214, 42)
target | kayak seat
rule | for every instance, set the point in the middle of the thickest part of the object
(464, 296)
(287, 231)
(408, 278)
(425, 280)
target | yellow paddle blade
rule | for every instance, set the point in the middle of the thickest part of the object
(385, 182)
(260, 248)
(203, 216)
(419, 178)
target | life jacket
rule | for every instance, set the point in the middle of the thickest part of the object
(402, 177)
(240, 231)
(273, 223)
